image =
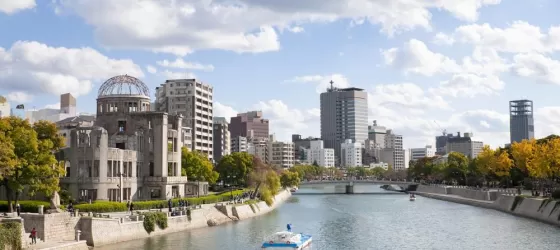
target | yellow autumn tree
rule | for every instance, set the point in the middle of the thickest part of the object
(524, 155)
(502, 164)
(553, 154)
(485, 160)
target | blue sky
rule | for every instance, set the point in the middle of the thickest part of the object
(275, 56)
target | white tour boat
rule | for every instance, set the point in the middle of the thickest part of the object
(287, 239)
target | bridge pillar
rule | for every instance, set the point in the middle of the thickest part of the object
(350, 188)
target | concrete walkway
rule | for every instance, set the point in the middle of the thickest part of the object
(81, 245)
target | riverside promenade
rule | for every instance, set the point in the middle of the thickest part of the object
(541, 209)
(63, 231)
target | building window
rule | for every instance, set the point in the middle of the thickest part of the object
(151, 168)
(138, 165)
(113, 194)
(109, 168)
(155, 193)
(88, 194)
(129, 169)
(125, 168)
(170, 169)
(116, 168)
(122, 126)
(96, 168)
(127, 193)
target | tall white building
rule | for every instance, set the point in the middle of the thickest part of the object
(222, 141)
(5, 109)
(351, 153)
(344, 115)
(419, 153)
(67, 109)
(239, 144)
(393, 152)
(194, 100)
(317, 153)
(270, 151)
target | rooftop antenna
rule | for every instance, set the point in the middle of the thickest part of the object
(331, 82)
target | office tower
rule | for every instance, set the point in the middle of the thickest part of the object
(249, 125)
(344, 115)
(521, 123)
(192, 99)
(68, 104)
(222, 141)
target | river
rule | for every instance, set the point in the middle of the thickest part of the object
(356, 222)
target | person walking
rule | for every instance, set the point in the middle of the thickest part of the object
(33, 236)
(18, 209)
(170, 205)
(131, 207)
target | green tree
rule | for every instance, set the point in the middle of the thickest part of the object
(377, 171)
(315, 164)
(289, 179)
(197, 167)
(7, 156)
(33, 164)
(238, 164)
(258, 175)
(458, 164)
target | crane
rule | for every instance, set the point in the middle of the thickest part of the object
(443, 131)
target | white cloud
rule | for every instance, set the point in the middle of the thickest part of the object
(547, 121)
(221, 110)
(36, 68)
(19, 97)
(285, 121)
(519, 37)
(181, 27)
(322, 82)
(538, 67)
(181, 64)
(296, 29)
(470, 85)
(177, 75)
(415, 57)
(443, 39)
(151, 69)
(13, 6)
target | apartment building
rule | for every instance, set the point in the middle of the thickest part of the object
(250, 125)
(351, 153)
(419, 153)
(194, 101)
(222, 141)
(316, 153)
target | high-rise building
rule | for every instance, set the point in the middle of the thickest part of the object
(393, 152)
(193, 100)
(464, 145)
(239, 144)
(68, 104)
(250, 124)
(222, 142)
(316, 153)
(300, 144)
(351, 153)
(5, 109)
(419, 153)
(344, 115)
(521, 123)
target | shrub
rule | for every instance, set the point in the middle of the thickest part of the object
(10, 235)
(151, 219)
(102, 207)
(26, 206)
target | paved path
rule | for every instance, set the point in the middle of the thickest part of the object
(56, 245)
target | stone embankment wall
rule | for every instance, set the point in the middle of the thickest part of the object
(51, 227)
(544, 210)
(99, 231)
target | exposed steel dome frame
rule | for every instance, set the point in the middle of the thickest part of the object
(123, 85)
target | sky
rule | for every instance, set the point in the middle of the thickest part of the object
(427, 65)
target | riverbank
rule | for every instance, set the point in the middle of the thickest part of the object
(99, 231)
(544, 210)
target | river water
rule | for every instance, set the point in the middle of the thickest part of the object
(356, 222)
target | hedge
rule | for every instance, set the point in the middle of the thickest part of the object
(26, 206)
(10, 235)
(111, 206)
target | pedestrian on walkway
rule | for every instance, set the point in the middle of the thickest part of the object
(170, 205)
(131, 207)
(18, 209)
(33, 236)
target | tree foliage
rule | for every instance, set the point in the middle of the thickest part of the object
(197, 167)
(27, 154)
(289, 179)
(238, 164)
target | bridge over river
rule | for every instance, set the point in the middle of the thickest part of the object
(354, 187)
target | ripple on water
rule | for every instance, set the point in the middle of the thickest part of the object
(340, 222)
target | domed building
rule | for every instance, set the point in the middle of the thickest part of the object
(131, 153)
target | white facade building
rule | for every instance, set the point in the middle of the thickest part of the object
(317, 153)
(393, 152)
(351, 153)
(5, 109)
(194, 100)
(464, 145)
(239, 144)
(419, 153)
(383, 165)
